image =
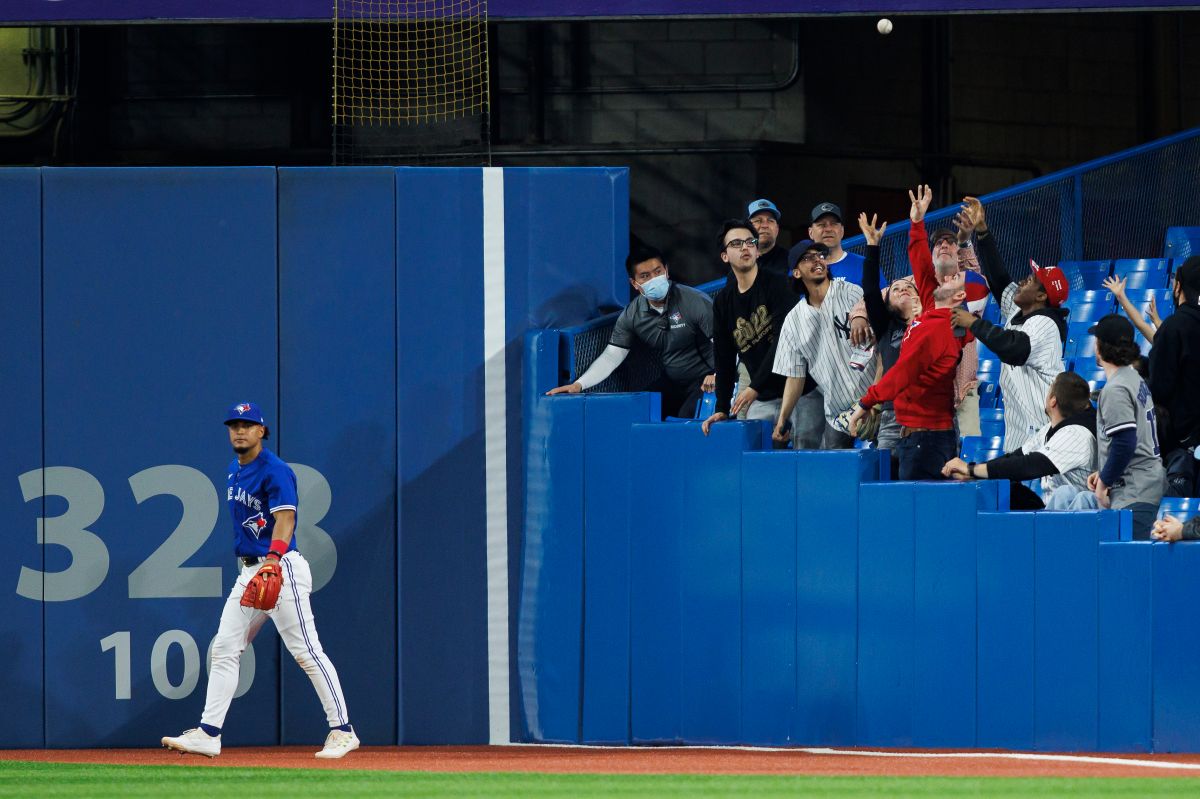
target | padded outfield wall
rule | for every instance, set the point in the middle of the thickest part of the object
(377, 315)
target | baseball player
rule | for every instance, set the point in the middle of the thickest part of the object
(274, 582)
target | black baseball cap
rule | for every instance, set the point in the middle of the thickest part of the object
(943, 234)
(822, 209)
(1188, 274)
(799, 249)
(1113, 329)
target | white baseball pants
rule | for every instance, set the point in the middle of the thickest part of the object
(293, 620)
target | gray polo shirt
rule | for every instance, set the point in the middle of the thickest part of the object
(680, 336)
(1125, 404)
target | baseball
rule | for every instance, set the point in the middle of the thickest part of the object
(884, 26)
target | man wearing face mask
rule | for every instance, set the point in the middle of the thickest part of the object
(674, 321)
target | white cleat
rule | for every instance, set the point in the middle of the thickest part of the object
(195, 742)
(338, 744)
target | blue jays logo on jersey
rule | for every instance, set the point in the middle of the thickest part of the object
(255, 524)
(676, 317)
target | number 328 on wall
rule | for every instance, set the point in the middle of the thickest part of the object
(162, 573)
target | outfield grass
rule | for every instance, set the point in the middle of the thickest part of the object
(175, 782)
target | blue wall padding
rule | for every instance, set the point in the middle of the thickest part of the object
(1066, 580)
(769, 686)
(338, 376)
(826, 592)
(567, 270)
(21, 688)
(440, 430)
(1124, 683)
(613, 500)
(944, 613)
(1006, 628)
(885, 614)
(1176, 647)
(549, 645)
(160, 298)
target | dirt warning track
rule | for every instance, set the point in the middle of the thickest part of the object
(654, 760)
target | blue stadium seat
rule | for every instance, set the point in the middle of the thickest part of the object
(970, 446)
(707, 405)
(991, 414)
(991, 428)
(1162, 297)
(1080, 345)
(1124, 265)
(1090, 312)
(1086, 274)
(1181, 242)
(988, 372)
(1144, 279)
(988, 394)
(984, 455)
(1182, 508)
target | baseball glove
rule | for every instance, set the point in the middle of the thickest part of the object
(262, 591)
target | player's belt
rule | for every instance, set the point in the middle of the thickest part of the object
(250, 561)
(905, 432)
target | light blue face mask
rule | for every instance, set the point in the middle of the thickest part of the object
(656, 288)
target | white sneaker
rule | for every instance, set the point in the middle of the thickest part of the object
(195, 742)
(338, 743)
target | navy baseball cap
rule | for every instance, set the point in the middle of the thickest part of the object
(826, 208)
(245, 412)
(762, 205)
(1113, 329)
(798, 250)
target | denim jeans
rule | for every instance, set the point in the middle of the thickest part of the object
(922, 455)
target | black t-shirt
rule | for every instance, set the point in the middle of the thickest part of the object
(747, 325)
(775, 261)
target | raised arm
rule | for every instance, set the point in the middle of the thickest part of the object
(877, 311)
(1117, 286)
(919, 256)
(990, 262)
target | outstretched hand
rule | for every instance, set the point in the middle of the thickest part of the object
(1155, 319)
(921, 201)
(872, 234)
(1116, 285)
(964, 225)
(974, 209)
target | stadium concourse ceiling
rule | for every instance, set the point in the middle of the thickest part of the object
(39, 11)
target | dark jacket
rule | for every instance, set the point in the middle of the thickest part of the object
(1021, 467)
(1175, 372)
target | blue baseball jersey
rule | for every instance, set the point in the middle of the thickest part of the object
(256, 491)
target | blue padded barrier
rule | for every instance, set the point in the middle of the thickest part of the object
(944, 600)
(1124, 686)
(21, 629)
(827, 592)
(334, 223)
(769, 566)
(1006, 630)
(611, 501)
(185, 350)
(685, 665)
(1176, 646)
(885, 614)
(1066, 580)
(549, 644)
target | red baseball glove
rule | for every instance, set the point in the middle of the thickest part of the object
(262, 591)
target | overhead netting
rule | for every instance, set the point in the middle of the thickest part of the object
(410, 82)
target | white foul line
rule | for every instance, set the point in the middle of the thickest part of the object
(495, 436)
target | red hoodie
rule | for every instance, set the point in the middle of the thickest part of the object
(922, 381)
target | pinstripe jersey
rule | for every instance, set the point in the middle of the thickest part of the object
(1025, 387)
(1072, 450)
(817, 341)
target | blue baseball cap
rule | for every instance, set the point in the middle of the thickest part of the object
(245, 412)
(762, 205)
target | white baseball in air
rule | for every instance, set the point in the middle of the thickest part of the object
(884, 26)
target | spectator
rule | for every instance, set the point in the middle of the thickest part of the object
(1030, 345)
(922, 385)
(674, 321)
(826, 228)
(748, 313)
(1131, 473)
(1062, 453)
(772, 255)
(1175, 363)
(1170, 529)
(891, 312)
(950, 254)
(1117, 286)
(816, 338)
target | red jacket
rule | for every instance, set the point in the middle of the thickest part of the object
(922, 382)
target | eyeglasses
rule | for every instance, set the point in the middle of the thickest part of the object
(813, 256)
(737, 244)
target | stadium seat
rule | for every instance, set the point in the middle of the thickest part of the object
(1182, 508)
(1144, 279)
(970, 445)
(991, 428)
(1163, 299)
(1181, 242)
(1160, 265)
(1086, 274)
(1080, 345)
(707, 405)
(987, 395)
(991, 311)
